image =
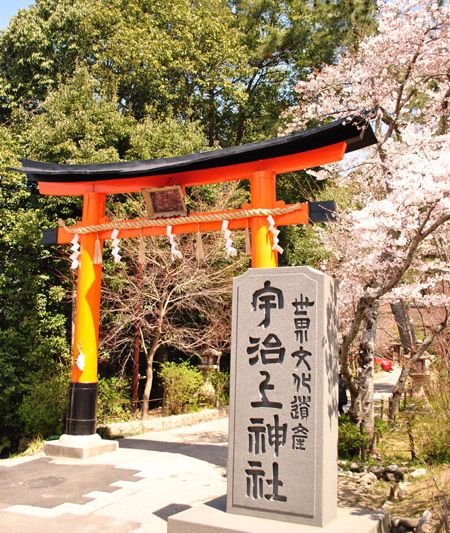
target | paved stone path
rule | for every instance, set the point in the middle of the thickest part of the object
(384, 383)
(151, 477)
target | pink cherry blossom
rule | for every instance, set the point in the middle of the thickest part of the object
(401, 188)
(392, 242)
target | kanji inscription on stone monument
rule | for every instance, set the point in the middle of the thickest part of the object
(282, 458)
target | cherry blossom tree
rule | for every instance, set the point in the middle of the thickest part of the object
(390, 243)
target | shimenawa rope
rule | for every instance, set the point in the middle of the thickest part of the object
(176, 221)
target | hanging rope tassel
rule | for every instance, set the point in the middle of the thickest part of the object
(231, 250)
(76, 252)
(141, 256)
(275, 232)
(115, 245)
(199, 252)
(248, 242)
(98, 259)
(176, 254)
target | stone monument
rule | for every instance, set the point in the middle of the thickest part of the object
(282, 457)
(283, 413)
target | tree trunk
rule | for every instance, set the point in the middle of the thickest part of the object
(406, 332)
(364, 303)
(400, 387)
(354, 409)
(135, 381)
(212, 115)
(137, 341)
(409, 343)
(240, 127)
(150, 356)
(148, 386)
(364, 402)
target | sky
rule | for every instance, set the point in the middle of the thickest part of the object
(8, 8)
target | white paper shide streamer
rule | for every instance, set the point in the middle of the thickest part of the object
(176, 254)
(275, 232)
(231, 250)
(115, 245)
(75, 252)
(80, 360)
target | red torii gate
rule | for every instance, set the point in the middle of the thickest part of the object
(259, 162)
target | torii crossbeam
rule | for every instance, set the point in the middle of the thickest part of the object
(258, 162)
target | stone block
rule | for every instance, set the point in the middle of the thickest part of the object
(79, 446)
(212, 518)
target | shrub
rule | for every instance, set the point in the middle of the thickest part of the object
(221, 383)
(430, 426)
(113, 399)
(429, 417)
(350, 439)
(44, 406)
(181, 383)
(381, 427)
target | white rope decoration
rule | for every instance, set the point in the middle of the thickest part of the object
(231, 250)
(76, 252)
(115, 245)
(275, 232)
(176, 254)
(175, 221)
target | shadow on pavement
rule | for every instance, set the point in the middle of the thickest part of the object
(43, 483)
(169, 510)
(216, 455)
(219, 503)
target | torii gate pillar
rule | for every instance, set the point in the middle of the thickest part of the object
(262, 194)
(81, 417)
(80, 439)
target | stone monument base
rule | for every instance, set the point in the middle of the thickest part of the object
(212, 518)
(79, 446)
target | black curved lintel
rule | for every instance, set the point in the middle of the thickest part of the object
(343, 130)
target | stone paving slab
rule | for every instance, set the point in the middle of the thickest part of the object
(44, 483)
(151, 477)
(13, 522)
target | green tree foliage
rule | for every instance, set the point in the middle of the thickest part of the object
(350, 439)
(32, 334)
(169, 137)
(230, 65)
(221, 383)
(77, 124)
(113, 400)
(284, 40)
(174, 55)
